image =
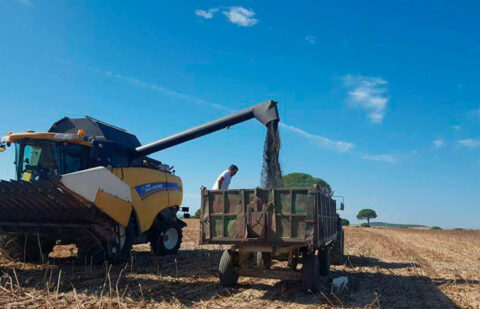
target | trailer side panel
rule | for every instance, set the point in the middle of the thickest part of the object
(276, 217)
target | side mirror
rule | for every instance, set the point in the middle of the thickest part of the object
(342, 206)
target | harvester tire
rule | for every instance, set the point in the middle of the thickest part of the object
(96, 252)
(22, 247)
(226, 269)
(165, 238)
(125, 251)
(264, 259)
(310, 273)
(92, 252)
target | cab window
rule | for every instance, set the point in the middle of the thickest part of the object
(36, 160)
(75, 158)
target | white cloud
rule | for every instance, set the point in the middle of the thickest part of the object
(369, 94)
(206, 14)
(469, 143)
(381, 158)
(456, 128)
(310, 39)
(241, 16)
(161, 89)
(474, 49)
(475, 114)
(324, 142)
(26, 2)
(438, 143)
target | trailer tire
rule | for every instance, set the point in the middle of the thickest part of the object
(264, 259)
(226, 269)
(337, 253)
(12, 246)
(324, 262)
(165, 238)
(310, 273)
(293, 265)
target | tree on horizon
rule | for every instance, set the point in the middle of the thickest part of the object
(366, 214)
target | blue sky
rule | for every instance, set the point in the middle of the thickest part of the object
(378, 98)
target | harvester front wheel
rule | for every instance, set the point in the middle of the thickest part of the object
(96, 251)
(24, 247)
(122, 249)
(165, 239)
(92, 251)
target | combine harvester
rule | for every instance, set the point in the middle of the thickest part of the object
(92, 184)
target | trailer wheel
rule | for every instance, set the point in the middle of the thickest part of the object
(324, 261)
(165, 239)
(293, 261)
(226, 269)
(310, 273)
(264, 259)
(19, 246)
(293, 265)
(337, 253)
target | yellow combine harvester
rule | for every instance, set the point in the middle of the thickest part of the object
(92, 184)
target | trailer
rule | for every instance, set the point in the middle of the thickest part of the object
(300, 225)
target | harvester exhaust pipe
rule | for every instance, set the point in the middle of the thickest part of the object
(265, 112)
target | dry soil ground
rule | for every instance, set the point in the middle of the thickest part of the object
(387, 268)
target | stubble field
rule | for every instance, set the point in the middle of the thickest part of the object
(386, 268)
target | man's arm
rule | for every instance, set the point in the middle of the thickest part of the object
(220, 181)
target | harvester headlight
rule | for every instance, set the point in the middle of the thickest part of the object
(63, 137)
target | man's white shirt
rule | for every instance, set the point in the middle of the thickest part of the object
(226, 181)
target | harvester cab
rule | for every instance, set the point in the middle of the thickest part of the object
(92, 184)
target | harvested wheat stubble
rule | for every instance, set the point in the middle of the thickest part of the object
(271, 171)
(389, 268)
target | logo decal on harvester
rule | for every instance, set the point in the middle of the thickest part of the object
(148, 189)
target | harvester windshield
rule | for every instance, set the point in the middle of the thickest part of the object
(39, 159)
